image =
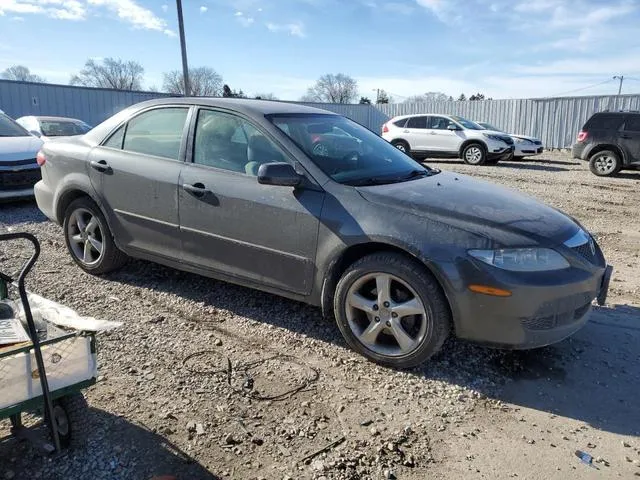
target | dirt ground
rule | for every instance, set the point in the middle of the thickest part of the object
(208, 380)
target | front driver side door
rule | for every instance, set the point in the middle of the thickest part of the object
(230, 223)
(444, 140)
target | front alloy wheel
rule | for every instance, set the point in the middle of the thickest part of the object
(474, 154)
(391, 309)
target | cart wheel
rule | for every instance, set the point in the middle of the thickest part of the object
(71, 418)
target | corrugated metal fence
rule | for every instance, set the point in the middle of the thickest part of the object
(554, 120)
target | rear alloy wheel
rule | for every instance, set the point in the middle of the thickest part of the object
(402, 146)
(474, 154)
(89, 239)
(391, 310)
(605, 163)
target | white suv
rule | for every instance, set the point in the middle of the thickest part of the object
(447, 136)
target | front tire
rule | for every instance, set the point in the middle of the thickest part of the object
(605, 163)
(71, 419)
(474, 154)
(89, 239)
(391, 310)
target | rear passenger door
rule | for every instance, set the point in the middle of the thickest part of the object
(630, 138)
(417, 134)
(135, 174)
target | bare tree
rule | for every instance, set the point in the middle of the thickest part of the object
(428, 97)
(266, 96)
(111, 73)
(204, 82)
(333, 88)
(22, 74)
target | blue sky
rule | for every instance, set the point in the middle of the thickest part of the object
(503, 48)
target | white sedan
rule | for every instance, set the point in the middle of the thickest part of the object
(525, 146)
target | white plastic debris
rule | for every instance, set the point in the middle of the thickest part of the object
(63, 316)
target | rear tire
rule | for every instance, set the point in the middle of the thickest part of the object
(89, 239)
(402, 146)
(392, 310)
(474, 154)
(605, 163)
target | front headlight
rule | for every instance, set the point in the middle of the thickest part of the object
(496, 138)
(522, 259)
(522, 140)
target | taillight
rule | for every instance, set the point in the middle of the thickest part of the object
(385, 128)
(40, 158)
(582, 136)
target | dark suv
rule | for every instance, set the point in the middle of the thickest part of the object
(610, 142)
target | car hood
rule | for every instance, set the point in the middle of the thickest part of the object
(19, 148)
(526, 137)
(503, 215)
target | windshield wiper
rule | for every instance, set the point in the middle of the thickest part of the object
(388, 180)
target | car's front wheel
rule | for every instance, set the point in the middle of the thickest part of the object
(391, 310)
(605, 163)
(474, 154)
(89, 239)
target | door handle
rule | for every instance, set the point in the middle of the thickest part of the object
(197, 189)
(405, 131)
(433, 133)
(101, 165)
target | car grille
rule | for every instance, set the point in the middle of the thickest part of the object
(20, 179)
(559, 313)
(585, 250)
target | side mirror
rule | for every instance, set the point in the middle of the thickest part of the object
(282, 174)
(35, 133)
(451, 126)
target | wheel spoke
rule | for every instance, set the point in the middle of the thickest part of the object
(91, 226)
(383, 288)
(411, 307)
(80, 222)
(96, 244)
(86, 258)
(405, 342)
(77, 238)
(370, 335)
(358, 301)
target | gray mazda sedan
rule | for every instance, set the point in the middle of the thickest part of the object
(309, 205)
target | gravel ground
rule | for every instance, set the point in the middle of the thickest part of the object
(209, 380)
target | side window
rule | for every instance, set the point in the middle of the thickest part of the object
(157, 132)
(417, 122)
(231, 143)
(115, 140)
(440, 123)
(632, 123)
(605, 122)
(400, 123)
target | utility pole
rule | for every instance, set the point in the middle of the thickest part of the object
(621, 78)
(183, 47)
(377, 90)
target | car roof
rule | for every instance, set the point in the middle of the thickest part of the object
(400, 117)
(48, 118)
(244, 105)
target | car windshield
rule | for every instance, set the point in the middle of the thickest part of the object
(9, 128)
(347, 152)
(468, 124)
(63, 128)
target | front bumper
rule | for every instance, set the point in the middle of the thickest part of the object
(544, 307)
(528, 150)
(500, 153)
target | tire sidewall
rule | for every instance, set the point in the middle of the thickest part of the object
(407, 149)
(430, 343)
(483, 159)
(107, 239)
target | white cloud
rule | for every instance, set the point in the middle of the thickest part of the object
(244, 20)
(128, 11)
(17, 19)
(295, 29)
(203, 9)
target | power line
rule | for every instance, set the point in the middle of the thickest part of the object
(581, 89)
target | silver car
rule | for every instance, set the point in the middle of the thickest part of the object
(307, 204)
(46, 127)
(19, 169)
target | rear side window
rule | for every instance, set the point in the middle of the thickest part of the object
(417, 122)
(632, 123)
(604, 122)
(400, 123)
